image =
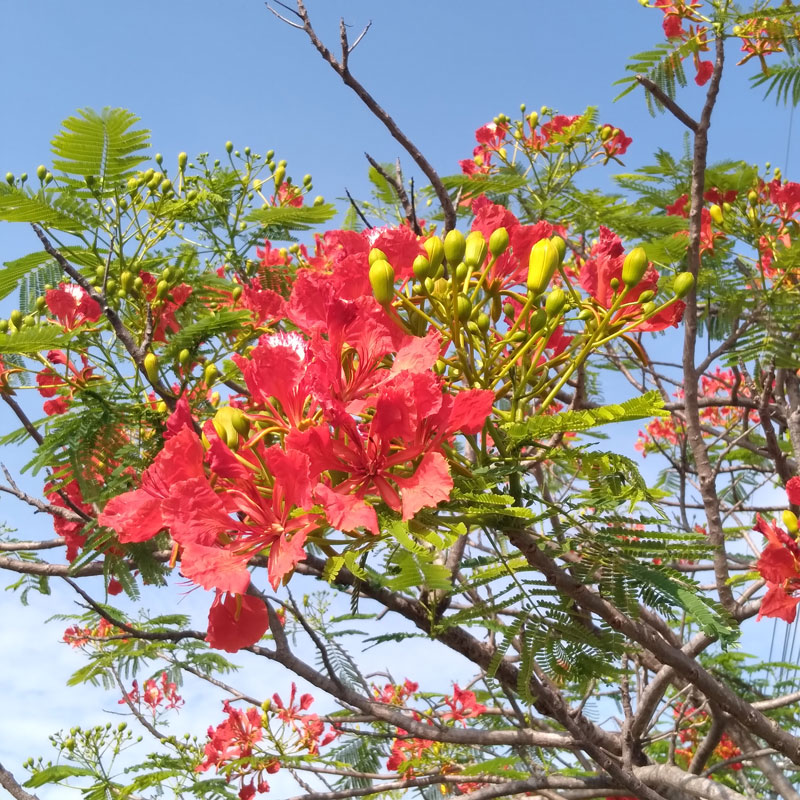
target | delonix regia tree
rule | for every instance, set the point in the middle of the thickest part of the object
(407, 412)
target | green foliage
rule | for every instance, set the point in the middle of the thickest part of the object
(33, 340)
(541, 427)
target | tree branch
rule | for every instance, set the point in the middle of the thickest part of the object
(343, 71)
(9, 783)
(668, 103)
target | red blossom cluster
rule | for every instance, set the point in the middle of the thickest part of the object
(357, 416)
(719, 385)
(231, 747)
(76, 636)
(678, 12)
(708, 235)
(689, 735)
(779, 563)
(490, 138)
(308, 730)
(158, 695)
(395, 694)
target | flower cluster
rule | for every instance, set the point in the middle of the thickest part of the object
(158, 695)
(694, 722)
(231, 748)
(779, 563)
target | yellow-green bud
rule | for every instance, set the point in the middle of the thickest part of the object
(162, 287)
(555, 302)
(183, 159)
(16, 318)
(648, 308)
(279, 175)
(126, 280)
(542, 264)
(151, 367)
(421, 268)
(229, 147)
(561, 247)
(498, 242)
(41, 171)
(716, 214)
(184, 357)
(790, 521)
(537, 320)
(461, 272)
(646, 297)
(210, 374)
(475, 250)
(683, 284)
(230, 423)
(463, 308)
(381, 278)
(483, 322)
(634, 267)
(454, 246)
(533, 119)
(236, 293)
(606, 132)
(435, 251)
(376, 254)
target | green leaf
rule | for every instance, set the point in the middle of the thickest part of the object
(540, 427)
(295, 219)
(15, 270)
(54, 774)
(104, 146)
(193, 335)
(33, 340)
(18, 206)
(478, 184)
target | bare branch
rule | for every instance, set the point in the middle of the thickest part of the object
(9, 783)
(342, 70)
(668, 103)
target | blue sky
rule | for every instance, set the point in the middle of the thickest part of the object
(200, 72)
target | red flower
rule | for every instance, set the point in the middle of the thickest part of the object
(136, 516)
(72, 306)
(463, 706)
(236, 621)
(779, 565)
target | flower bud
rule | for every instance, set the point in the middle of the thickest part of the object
(454, 246)
(555, 302)
(790, 521)
(683, 284)
(184, 357)
(606, 132)
(16, 318)
(561, 247)
(279, 175)
(648, 308)
(421, 268)
(463, 308)
(646, 297)
(461, 272)
(542, 264)
(752, 197)
(151, 367)
(183, 159)
(162, 287)
(236, 293)
(381, 278)
(435, 250)
(533, 119)
(475, 250)
(483, 322)
(41, 171)
(375, 254)
(716, 214)
(634, 267)
(537, 320)
(498, 242)
(229, 147)
(210, 374)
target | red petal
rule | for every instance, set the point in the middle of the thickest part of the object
(428, 486)
(777, 603)
(195, 514)
(346, 512)
(284, 555)
(470, 410)
(215, 568)
(776, 564)
(135, 516)
(793, 491)
(236, 621)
